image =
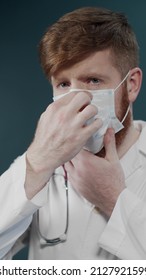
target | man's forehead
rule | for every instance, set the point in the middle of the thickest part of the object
(96, 62)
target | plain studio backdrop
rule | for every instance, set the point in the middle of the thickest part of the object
(24, 90)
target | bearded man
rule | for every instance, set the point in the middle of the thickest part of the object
(81, 183)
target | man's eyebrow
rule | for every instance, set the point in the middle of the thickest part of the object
(58, 79)
(92, 75)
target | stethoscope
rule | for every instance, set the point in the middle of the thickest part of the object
(63, 237)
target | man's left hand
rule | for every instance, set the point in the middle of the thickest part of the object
(99, 180)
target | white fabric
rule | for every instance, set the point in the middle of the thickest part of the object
(90, 235)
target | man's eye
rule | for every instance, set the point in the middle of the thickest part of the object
(94, 80)
(64, 84)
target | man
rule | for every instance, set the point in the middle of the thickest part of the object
(91, 205)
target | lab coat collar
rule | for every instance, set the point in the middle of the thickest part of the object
(141, 125)
(132, 160)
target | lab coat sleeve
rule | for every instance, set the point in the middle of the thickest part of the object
(15, 209)
(125, 233)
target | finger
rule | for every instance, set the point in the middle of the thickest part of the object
(65, 99)
(68, 166)
(80, 101)
(110, 145)
(93, 127)
(77, 96)
(87, 113)
(83, 154)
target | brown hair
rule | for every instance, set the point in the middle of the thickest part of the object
(84, 31)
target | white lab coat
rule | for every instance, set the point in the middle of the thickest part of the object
(90, 235)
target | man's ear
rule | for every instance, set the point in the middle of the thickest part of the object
(134, 82)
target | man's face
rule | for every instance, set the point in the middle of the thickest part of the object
(93, 73)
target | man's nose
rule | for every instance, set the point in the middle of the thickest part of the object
(78, 85)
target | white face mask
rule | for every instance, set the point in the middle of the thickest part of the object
(104, 101)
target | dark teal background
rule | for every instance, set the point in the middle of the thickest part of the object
(24, 91)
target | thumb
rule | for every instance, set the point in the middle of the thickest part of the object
(110, 145)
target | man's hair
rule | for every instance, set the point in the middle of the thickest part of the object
(80, 33)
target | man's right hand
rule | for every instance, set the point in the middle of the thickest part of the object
(60, 135)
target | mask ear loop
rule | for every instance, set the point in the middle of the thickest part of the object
(117, 88)
(122, 81)
(128, 109)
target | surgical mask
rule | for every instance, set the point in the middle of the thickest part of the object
(104, 101)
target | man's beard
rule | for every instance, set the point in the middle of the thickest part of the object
(120, 136)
